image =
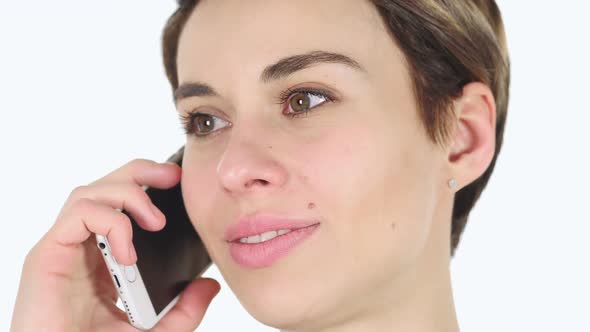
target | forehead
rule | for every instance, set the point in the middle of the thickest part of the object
(222, 35)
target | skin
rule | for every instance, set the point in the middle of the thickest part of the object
(64, 282)
(362, 165)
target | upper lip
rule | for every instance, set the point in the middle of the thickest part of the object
(259, 223)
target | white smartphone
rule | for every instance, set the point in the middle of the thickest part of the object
(167, 260)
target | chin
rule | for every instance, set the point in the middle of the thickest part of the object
(279, 302)
(281, 313)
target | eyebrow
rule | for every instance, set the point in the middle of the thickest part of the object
(279, 70)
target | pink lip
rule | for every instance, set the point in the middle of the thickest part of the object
(257, 255)
(261, 223)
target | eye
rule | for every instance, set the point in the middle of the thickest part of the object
(304, 100)
(201, 124)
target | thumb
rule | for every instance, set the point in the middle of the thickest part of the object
(188, 312)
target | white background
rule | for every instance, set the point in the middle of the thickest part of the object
(83, 91)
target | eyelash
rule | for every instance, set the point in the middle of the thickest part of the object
(284, 97)
(188, 124)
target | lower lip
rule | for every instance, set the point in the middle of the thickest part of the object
(257, 255)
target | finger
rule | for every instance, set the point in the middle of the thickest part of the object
(188, 312)
(122, 196)
(86, 217)
(145, 172)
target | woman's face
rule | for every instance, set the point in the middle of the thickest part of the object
(361, 164)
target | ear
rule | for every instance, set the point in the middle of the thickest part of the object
(474, 135)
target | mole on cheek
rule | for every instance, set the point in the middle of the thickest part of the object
(311, 205)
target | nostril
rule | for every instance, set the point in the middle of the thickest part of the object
(250, 183)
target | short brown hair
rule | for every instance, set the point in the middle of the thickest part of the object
(447, 44)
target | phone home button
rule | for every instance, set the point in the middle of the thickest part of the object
(130, 273)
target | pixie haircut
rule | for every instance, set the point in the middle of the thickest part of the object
(446, 44)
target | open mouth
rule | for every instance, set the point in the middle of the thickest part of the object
(263, 250)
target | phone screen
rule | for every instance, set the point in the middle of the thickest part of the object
(169, 259)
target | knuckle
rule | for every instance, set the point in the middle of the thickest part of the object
(124, 222)
(82, 205)
(135, 190)
(30, 257)
(33, 255)
(139, 162)
(122, 226)
(79, 191)
(138, 194)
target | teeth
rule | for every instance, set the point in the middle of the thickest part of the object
(283, 231)
(264, 236)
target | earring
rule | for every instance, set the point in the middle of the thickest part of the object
(452, 183)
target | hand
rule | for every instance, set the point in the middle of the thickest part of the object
(65, 284)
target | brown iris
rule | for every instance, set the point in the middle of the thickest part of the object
(204, 121)
(300, 102)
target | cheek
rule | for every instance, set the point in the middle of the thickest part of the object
(375, 190)
(407, 198)
(196, 184)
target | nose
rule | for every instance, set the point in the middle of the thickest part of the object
(248, 163)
